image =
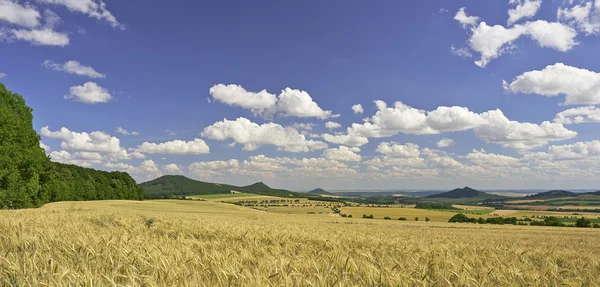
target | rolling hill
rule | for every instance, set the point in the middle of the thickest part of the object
(465, 192)
(552, 194)
(177, 185)
(320, 191)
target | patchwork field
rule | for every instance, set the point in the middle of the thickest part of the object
(205, 243)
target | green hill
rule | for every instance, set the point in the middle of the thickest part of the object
(170, 185)
(552, 194)
(320, 191)
(465, 192)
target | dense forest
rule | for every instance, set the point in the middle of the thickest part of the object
(29, 179)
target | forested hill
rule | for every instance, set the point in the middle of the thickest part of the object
(29, 179)
(177, 185)
(465, 192)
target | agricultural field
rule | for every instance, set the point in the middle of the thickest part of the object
(409, 212)
(232, 196)
(206, 243)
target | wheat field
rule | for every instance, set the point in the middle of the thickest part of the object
(203, 243)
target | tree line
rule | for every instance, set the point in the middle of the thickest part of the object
(29, 179)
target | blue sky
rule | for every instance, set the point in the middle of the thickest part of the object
(110, 65)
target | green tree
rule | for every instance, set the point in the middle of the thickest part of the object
(23, 164)
(582, 222)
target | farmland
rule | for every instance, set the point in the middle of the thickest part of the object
(206, 243)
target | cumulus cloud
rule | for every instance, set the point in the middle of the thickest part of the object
(358, 109)
(481, 158)
(93, 142)
(445, 142)
(524, 9)
(581, 86)
(42, 37)
(88, 93)
(349, 140)
(235, 95)
(126, 132)
(393, 149)
(21, 15)
(197, 146)
(585, 17)
(465, 20)
(342, 153)
(332, 125)
(289, 103)
(589, 114)
(172, 168)
(493, 41)
(252, 135)
(92, 8)
(520, 136)
(401, 118)
(74, 67)
(577, 150)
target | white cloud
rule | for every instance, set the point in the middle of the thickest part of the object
(589, 114)
(172, 168)
(580, 86)
(579, 150)
(299, 103)
(493, 41)
(73, 67)
(252, 135)
(552, 34)
(197, 146)
(89, 93)
(126, 132)
(586, 17)
(2, 75)
(42, 37)
(289, 103)
(464, 20)
(235, 95)
(92, 8)
(520, 136)
(358, 109)
(524, 9)
(303, 126)
(400, 118)
(21, 15)
(483, 159)
(445, 142)
(342, 153)
(463, 52)
(332, 125)
(349, 140)
(397, 150)
(93, 142)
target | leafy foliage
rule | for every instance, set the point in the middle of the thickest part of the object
(29, 179)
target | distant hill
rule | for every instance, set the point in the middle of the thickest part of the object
(465, 192)
(181, 185)
(552, 194)
(458, 193)
(320, 191)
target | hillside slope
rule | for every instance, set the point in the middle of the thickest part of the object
(170, 185)
(552, 194)
(465, 192)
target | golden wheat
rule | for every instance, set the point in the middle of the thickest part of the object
(183, 243)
